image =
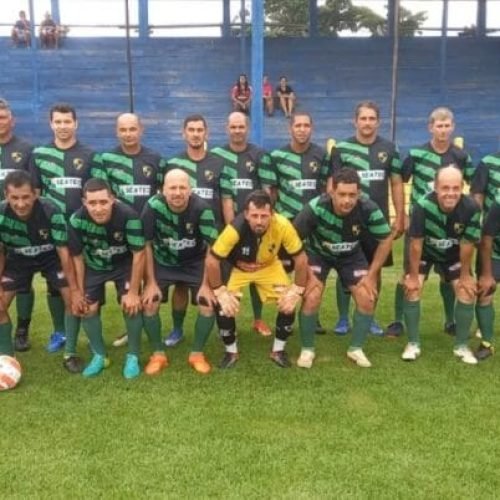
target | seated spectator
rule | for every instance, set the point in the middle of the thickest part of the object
(241, 95)
(49, 33)
(267, 95)
(286, 95)
(21, 34)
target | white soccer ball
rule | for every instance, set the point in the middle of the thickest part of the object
(10, 372)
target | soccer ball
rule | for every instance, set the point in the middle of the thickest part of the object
(10, 372)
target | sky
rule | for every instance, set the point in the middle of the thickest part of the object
(82, 12)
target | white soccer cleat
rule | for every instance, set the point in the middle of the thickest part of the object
(358, 356)
(411, 352)
(465, 354)
(306, 358)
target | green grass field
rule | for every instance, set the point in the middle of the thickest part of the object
(398, 430)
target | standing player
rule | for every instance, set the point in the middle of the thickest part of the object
(208, 181)
(33, 238)
(444, 228)
(300, 172)
(134, 172)
(248, 168)
(107, 244)
(179, 228)
(14, 155)
(60, 169)
(378, 164)
(334, 227)
(421, 165)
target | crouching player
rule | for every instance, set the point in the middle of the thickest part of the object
(107, 244)
(251, 244)
(33, 238)
(444, 228)
(333, 226)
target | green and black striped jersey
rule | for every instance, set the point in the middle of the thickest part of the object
(486, 180)
(107, 246)
(41, 233)
(491, 227)
(134, 178)
(179, 238)
(442, 232)
(329, 235)
(61, 173)
(208, 179)
(246, 171)
(14, 155)
(298, 177)
(375, 163)
(423, 162)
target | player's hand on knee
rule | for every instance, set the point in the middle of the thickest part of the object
(228, 301)
(151, 294)
(205, 296)
(486, 286)
(411, 286)
(467, 287)
(131, 303)
(289, 298)
(79, 305)
(368, 287)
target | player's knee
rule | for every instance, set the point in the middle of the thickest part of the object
(465, 296)
(312, 300)
(93, 309)
(284, 325)
(364, 303)
(485, 301)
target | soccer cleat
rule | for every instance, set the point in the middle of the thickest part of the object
(156, 364)
(131, 368)
(21, 340)
(395, 329)
(73, 364)
(306, 358)
(320, 329)
(56, 342)
(229, 360)
(121, 340)
(484, 351)
(411, 352)
(280, 358)
(261, 327)
(358, 357)
(199, 363)
(465, 354)
(450, 327)
(96, 366)
(174, 337)
(375, 329)
(342, 327)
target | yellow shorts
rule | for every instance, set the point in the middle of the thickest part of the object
(265, 280)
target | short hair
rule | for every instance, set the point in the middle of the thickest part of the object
(95, 184)
(368, 105)
(283, 76)
(346, 175)
(17, 179)
(4, 105)
(441, 113)
(247, 118)
(296, 114)
(195, 118)
(259, 198)
(62, 107)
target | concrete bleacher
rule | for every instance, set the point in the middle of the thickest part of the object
(176, 77)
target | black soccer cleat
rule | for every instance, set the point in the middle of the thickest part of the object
(484, 351)
(450, 328)
(280, 358)
(229, 360)
(395, 329)
(21, 340)
(73, 364)
(320, 329)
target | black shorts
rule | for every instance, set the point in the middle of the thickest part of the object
(448, 271)
(190, 275)
(19, 271)
(495, 268)
(95, 282)
(349, 268)
(369, 246)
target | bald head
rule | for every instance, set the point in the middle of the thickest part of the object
(129, 131)
(449, 173)
(448, 186)
(177, 190)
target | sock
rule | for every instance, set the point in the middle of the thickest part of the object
(71, 328)
(360, 326)
(279, 345)
(307, 327)
(202, 329)
(56, 307)
(93, 329)
(485, 316)
(464, 314)
(24, 308)
(152, 325)
(256, 302)
(178, 319)
(448, 295)
(232, 348)
(134, 330)
(412, 320)
(343, 300)
(399, 298)
(6, 345)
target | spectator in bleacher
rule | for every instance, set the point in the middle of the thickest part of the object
(286, 96)
(21, 35)
(268, 95)
(241, 95)
(49, 33)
